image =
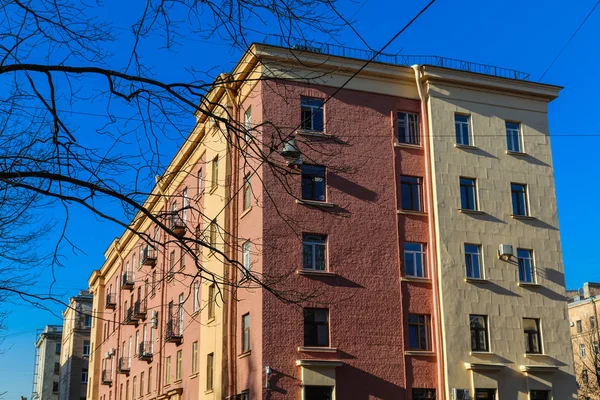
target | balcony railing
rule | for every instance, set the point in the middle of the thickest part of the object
(106, 378)
(128, 281)
(124, 366)
(177, 225)
(145, 351)
(311, 46)
(111, 300)
(139, 309)
(130, 317)
(173, 332)
(149, 256)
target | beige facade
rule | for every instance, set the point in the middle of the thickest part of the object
(46, 374)
(77, 323)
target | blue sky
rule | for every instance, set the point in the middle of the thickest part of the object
(514, 34)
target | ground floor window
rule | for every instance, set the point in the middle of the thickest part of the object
(318, 392)
(539, 395)
(423, 394)
(485, 394)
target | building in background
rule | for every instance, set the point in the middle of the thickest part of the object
(420, 240)
(46, 374)
(585, 336)
(77, 324)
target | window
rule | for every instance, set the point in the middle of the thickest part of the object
(168, 371)
(479, 333)
(410, 187)
(533, 340)
(485, 394)
(313, 182)
(525, 260)
(153, 288)
(181, 258)
(84, 375)
(196, 296)
(181, 312)
(209, 371)
(88, 321)
(195, 358)
(171, 264)
(581, 350)
(248, 124)
(318, 392)
(468, 194)
(539, 395)
(57, 348)
(246, 333)
(178, 366)
(212, 234)
(185, 207)
(149, 380)
(414, 260)
(419, 332)
(215, 173)
(592, 323)
(513, 137)
(54, 387)
(473, 261)
(311, 114)
(211, 301)
(198, 238)
(142, 386)
(579, 326)
(584, 376)
(316, 327)
(408, 128)
(423, 394)
(86, 348)
(519, 199)
(56, 368)
(134, 387)
(314, 252)
(247, 198)
(246, 256)
(245, 395)
(463, 134)
(596, 348)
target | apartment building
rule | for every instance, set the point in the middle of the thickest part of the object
(74, 357)
(585, 336)
(404, 222)
(46, 373)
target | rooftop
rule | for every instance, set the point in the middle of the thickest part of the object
(394, 59)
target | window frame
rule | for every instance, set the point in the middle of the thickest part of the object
(310, 182)
(468, 193)
(460, 126)
(409, 123)
(248, 124)
(196, 302)
(315, 110)
(519, 199)
(415, 254)
(246, 258)
(314, 242)
(469, 257)
(412, 183)
(178, 365)
(477, 346)
(86, 343)
(530, 336)
(211, 301)
(513, 136)
(423, 394)
(247, 198)
(195, 357)
(422, 326)
(582, 351)
(578, 326)
(245, 333)
(312, 327)
(210, 359)
(168, 371)
(214, 173)
(525, 263)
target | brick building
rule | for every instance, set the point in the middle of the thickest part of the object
(415, 229)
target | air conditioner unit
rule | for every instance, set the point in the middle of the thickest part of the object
(505, 251)
(460, 394)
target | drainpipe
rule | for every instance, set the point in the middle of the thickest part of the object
(432, 239)
(163, 294)
(230, 317)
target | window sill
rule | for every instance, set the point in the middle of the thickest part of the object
(467, 211)
(481, 353)
(526, 217)
(315, 203)
(245, 212)
(465, 146)
(195, 375)
(208, 391)
(195, 314)
(213, 189)
(317, 349)
(476, 280)
(530, 284)
(316, 134)
(246, 354)
(415, 279)
(315, 273)
(411, 212)
(408, 145)
(516, 153)
(536, 355)
(177, 382)
(419, 353)
(210, 320)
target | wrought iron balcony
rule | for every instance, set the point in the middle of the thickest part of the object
(128, 281)
(124, 366)
(145, 351)
(139, 309)
(149, 256)
(111, 300)
(174, 331)
(106, 378)
(130, 318)
(177, 225)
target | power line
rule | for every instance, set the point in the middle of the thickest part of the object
(570, 39)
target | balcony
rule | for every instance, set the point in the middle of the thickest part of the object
(173, 333)
(130, 318)
(111, 300)
(128, 281)
(145, 351)
(124, 366)
(177, 225)
(106, 378)
(139, 309)
(149, 256)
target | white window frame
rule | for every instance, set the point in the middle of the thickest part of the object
(246, 258)
(463, 126)
(510, 137)
(411, 127)
(196, 296)
(479, 260)
(414, 253)
(181, 313)
(581, 350)
(248, 124)
(186, 203)
(200, 181)
(86, 344)
(312, 112)
(314, 245)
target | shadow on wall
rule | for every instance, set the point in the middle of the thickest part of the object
(361, 385)
(351, 188)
